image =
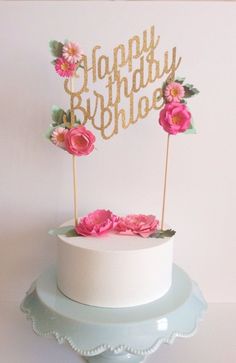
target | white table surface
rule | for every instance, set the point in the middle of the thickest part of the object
(214, 342)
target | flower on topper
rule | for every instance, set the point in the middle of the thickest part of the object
(72, 52)
(175, 117)
(58, 136)
(174, 92)
(137, 224)
(64, 68)
(67, 57)
(79, 141)
(96, 223)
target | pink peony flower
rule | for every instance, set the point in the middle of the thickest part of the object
(72, 52)
(175, 117)
(140, 224)
(64, 68)
(174, 92)
(58, 136)
(79, 141)
(96, 223)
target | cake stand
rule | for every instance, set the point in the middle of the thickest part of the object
(108, 335)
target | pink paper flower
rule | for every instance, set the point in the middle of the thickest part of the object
(137, 224)
(72, 52)
(79, 141)
(175, 117)
(64, 68)
(58, 136)
(96, 223)
(174, 92)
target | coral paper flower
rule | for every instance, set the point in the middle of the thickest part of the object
(79, 141)
(96, 223)
(175, 117)
(72, 52)
(64, 68)
(174, 92)
(137, 224)
(58, 136)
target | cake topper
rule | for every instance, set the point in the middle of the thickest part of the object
(68, 130)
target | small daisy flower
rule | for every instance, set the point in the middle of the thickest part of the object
(64, 68)
(174, 92)
(72, 52)
(58, 136)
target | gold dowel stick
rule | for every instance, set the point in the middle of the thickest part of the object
(75, 181)
(165, 182)
(75, 189)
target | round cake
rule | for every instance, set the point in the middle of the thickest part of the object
(114, 270)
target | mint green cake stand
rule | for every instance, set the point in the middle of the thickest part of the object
(105, 335)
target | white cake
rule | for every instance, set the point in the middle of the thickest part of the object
(114, 270)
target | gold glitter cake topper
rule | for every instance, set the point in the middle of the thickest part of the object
(124, 76)
(141, 68)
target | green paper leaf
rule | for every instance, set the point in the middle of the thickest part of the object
(190, 90)
(68, 231)
(78, 122)
(191, 130)
(49, 132)
(68, 115)
(72, 233)
(164, 85)
(180, 80)
(68, 118)
(57, 115)
(61, 230)
(163, 234)
(56, 48)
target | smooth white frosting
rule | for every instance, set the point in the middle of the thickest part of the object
(114, 270)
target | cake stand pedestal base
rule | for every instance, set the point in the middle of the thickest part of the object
(109, 357)
(105, 335)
